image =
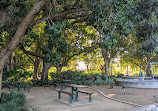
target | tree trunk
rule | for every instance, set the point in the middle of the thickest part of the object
(87, 67)
(1, 71)
(127, 69)
(5, 52)
(36, 66)
(37, 62)
(106, 61)
(46, 67)
(107, 65)
(3, 14)
(15, 62)
(7, 66)
(11, 62)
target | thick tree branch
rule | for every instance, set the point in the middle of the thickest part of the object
(87, 49)
(30, 58)
(75, 17)
(30, 53)
(5, 52)
(62, 15)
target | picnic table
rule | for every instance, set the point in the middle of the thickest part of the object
(74, 88)
(22, 84)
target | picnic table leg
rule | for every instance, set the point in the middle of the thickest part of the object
(65, 85)
(72, 92)
(59, 95)
(10, 89)
(76, 94)
(61, 87)
(18, 88)
(90, 98)
(71, 97)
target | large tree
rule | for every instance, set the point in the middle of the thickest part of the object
(111, 20)
(26, 19)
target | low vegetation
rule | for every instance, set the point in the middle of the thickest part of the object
(12, 102)
(84, 79)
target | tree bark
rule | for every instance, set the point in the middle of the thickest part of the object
(11, 62)
(1, 71)
(107, 66)
(87, 67)
(3, 15)
(36, 66)
(46, 67)
(37, 61)
(5, 52)
(106, 61)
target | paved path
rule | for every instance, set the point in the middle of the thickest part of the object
(45, 99)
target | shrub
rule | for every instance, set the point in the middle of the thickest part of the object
(81, 78)
(15, 75)
(12, 102)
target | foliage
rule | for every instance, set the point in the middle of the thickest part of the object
(11, 76)
(110, 18)
(42, 83)
(142, 47)
(12, 102)
(4, 3)
(146, 28)
(81, 78)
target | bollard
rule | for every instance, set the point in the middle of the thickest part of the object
(124, 89)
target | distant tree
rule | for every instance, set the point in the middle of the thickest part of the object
(110, 18)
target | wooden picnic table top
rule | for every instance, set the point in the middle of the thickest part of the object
(76, 86)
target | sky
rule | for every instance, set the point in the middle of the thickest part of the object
(81, 65)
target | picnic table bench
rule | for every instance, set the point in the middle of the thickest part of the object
(18, 85)
(74, 88)
(65, 92)
(85, 92)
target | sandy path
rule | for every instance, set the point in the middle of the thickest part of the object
(46, 99)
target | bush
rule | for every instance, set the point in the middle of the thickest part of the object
(84, 79)
(15, 75)
(12, 102)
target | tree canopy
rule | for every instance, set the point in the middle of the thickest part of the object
(55, 33)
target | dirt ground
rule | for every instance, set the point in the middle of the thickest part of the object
(46, 99)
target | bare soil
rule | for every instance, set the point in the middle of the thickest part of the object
(46, 99)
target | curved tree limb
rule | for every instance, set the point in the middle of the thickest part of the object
(62, 15)
(5, 52)
(30, 53)
(87, 49)
(19, 35)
